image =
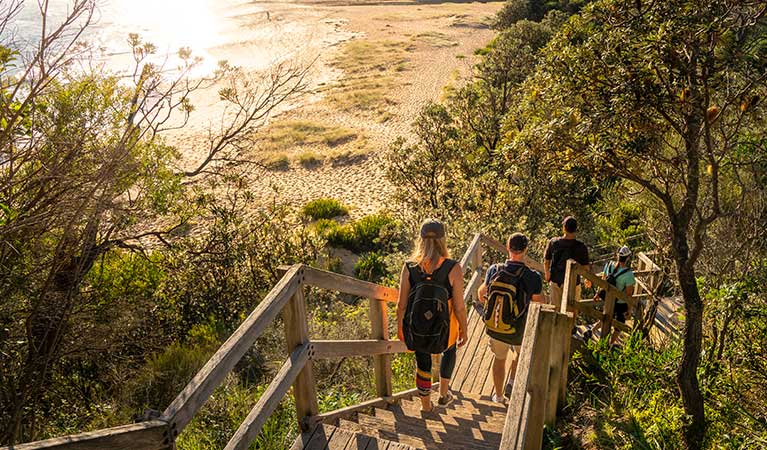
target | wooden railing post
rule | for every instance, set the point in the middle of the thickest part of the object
(569, 290)
(297, 334)
(607, 313)
(380, 330)
(554, 373)
(476, 265)
(539, 380)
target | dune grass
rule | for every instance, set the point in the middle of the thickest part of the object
(435, 39)
(292, 133)
(371, 69)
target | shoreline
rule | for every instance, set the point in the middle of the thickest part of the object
(374, 71)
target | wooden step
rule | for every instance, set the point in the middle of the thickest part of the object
(433, 433)
(328, 437)
(445, 420)
(465, 400)
(453, 415)
(456, 409)
(355, 427)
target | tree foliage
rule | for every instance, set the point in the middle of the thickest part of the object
(667, 96)
(84, 170)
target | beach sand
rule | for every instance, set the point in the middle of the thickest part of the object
(377, 64)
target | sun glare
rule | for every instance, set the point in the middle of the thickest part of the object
(171, 24)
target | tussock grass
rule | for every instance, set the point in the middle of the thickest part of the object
(287, 134)
(309, 160)
(371, 69)
(435, 39)
(276, 162)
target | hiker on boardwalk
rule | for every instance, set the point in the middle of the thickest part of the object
(431, 315)
(558, 251)
(505, 295)
(618, 273)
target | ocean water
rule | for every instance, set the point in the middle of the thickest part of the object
(238, 30)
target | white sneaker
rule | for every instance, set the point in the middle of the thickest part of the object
(501, 399)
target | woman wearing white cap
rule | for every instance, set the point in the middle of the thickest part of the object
(618, 273)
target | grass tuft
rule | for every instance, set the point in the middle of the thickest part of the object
(325, 208)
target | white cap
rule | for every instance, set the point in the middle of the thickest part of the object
(624, 251)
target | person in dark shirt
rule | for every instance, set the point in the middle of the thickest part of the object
(530, 283)
(558, 251)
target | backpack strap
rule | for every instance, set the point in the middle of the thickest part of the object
(442, 274)
(415, 273)
(621, 272)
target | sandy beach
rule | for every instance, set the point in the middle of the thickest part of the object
(377, 64)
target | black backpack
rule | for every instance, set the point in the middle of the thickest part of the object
(426, 325)
(612, 278)
(506, 303)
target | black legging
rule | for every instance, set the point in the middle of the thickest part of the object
(423, 372)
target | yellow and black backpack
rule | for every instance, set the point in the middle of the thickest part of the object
(506, 303)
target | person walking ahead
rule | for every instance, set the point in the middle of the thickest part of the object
(506, 294)
(558, 251)
(619, 274)
(431, 315)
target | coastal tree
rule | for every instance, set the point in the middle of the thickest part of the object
(85, 168)
(667, 96)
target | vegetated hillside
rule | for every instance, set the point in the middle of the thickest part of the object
(98, 326)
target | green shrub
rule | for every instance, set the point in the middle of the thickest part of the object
(325, 208)
(377, 232)
(166, 373)
(371, 267)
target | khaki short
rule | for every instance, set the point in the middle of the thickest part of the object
(501, 349)
(555, 294)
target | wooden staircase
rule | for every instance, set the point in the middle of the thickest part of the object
(470, 422)
(390, 420)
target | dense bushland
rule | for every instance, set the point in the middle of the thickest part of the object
(645, 120)
(122, 274)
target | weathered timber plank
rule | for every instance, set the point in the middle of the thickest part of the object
(270, 399)
(348, 411)
(197, 391)
(485, 361)
(297, 334)
(319, 440)
(538, 384)
(599, 282)
(363, 347)
(470, 350)
(348, 285)
(556, 361)
(567, 302)
(513, 427)
(303, 439)
(379, 329)
(468, 256)
(150, 435)
(565, 343)
(341, 439)
(608, 311)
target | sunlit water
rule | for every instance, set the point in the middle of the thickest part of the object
(212, 29)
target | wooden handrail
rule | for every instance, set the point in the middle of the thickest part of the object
(474, 247)
(348, 285)
(197, 391)
(270, 399)
(364, 347)
(150, 435)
